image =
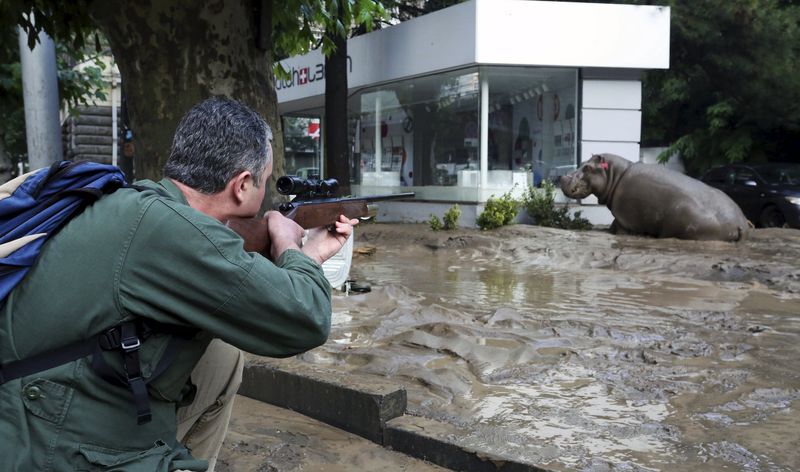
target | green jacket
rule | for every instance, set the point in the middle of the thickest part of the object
(140, 254)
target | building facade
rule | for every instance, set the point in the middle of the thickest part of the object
(481, 98)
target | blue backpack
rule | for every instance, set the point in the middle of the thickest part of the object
(34, 206)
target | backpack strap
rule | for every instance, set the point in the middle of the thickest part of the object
(126, 338)
(46, 360)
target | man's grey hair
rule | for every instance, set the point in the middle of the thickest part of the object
(216, 140)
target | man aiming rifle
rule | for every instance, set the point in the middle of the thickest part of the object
(313, 206)
(170, 289)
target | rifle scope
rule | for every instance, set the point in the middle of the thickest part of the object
(313, 187)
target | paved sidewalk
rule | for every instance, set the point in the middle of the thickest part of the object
(265, 438)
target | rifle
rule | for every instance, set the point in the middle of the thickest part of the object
(314, 205)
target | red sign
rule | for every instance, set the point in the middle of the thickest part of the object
(313, 129)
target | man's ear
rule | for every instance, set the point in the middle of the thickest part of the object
(240, 184)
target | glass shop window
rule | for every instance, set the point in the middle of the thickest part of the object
(532, 124)
(302, 145)
(421, 133)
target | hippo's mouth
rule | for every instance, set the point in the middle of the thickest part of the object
(574, 187)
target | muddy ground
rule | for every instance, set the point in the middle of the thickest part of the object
(265, 438)
(584, 350)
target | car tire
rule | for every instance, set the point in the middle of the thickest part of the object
(771, 217)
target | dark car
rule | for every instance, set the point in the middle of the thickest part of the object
(768, 194)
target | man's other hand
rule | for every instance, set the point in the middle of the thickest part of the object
(323, 243)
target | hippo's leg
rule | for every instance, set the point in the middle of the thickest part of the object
(617, 228)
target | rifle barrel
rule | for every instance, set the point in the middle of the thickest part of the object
(367, 199)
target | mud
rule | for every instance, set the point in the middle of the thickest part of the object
(265, 438)
(584, 350)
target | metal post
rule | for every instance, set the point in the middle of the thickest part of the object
(484, 127)
(114, 123)
(378, 133)
(40, 94)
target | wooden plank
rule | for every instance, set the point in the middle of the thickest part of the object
(93, 130)
(93, 139)
(91, 149)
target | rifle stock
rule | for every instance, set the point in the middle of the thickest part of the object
(253, 231)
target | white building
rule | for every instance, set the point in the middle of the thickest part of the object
(466, 102)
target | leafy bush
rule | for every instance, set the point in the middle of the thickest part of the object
(498, 212)
(435, 223)
(451, 217)
(540, 205)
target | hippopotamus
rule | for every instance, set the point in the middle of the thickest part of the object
(651, 200)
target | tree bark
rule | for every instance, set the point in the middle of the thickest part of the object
(336, 135)
(172, 54)
(6, 164)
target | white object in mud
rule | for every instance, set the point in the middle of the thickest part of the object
(337, 268)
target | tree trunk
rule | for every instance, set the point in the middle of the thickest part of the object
(336, 153)
(173, 54)
(6, 163)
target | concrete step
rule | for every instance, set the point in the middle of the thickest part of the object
(372, 408)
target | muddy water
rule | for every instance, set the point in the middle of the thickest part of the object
(585, 351)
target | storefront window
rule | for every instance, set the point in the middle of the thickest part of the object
(426, 132)
(421, 133)
(532, 124)
(302, 145)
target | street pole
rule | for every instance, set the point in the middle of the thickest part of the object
(40, 94)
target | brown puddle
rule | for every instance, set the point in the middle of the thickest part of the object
(585, 351)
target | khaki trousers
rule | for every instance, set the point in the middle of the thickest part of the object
(202, 425)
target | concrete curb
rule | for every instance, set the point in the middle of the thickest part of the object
(439, 443)
(372, 409)
(363, 411)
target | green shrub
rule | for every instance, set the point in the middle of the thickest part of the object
(540, 203)
(435, 223)
(451, 217)
(498, 212)
(541, 207)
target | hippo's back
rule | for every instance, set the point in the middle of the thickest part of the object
(699, 211)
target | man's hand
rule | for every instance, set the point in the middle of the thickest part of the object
(274, 233)
(323, 243)
(284, 234)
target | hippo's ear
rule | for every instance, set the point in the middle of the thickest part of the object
(597, 163)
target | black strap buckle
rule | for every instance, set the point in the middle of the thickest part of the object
(127, 336)
(130, 344)
(130, 351)
(110, 339)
